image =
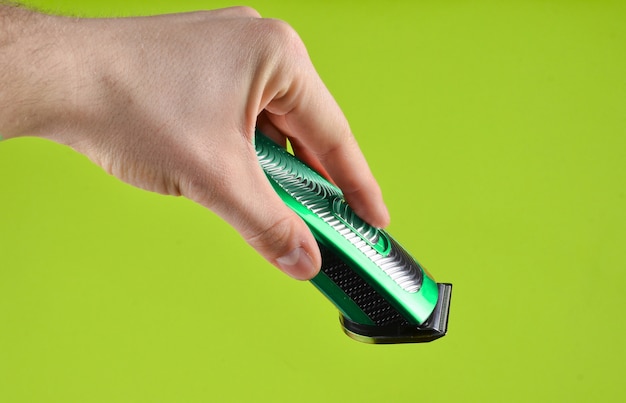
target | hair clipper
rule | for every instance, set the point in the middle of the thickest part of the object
(382, 293)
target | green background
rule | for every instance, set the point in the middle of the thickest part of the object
(498, 134)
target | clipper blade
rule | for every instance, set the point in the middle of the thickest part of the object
(380, 322)
(435, 326)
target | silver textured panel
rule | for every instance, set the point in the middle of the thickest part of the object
(326, 201)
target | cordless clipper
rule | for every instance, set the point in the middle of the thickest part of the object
(382, 293)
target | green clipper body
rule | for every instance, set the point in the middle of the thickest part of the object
(383, 294)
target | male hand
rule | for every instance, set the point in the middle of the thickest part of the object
(170, 103)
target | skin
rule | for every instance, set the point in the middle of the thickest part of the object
(169, 104)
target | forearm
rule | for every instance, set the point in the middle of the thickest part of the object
(35, 69)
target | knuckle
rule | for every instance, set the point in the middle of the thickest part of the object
(246, 11)
(281, 35)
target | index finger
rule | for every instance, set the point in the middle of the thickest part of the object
(320, 133)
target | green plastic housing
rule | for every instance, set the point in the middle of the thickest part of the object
(315, 199)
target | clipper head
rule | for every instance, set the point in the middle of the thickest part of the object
(382, 292)
(386, 324)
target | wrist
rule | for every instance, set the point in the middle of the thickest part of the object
(37, 69)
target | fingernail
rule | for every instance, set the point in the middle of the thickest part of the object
(297, 264)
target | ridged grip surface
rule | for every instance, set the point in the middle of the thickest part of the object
(324, 200)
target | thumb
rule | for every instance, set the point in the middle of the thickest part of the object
(280, 236)
(247, 201)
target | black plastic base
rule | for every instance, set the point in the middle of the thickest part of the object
(435, 326)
